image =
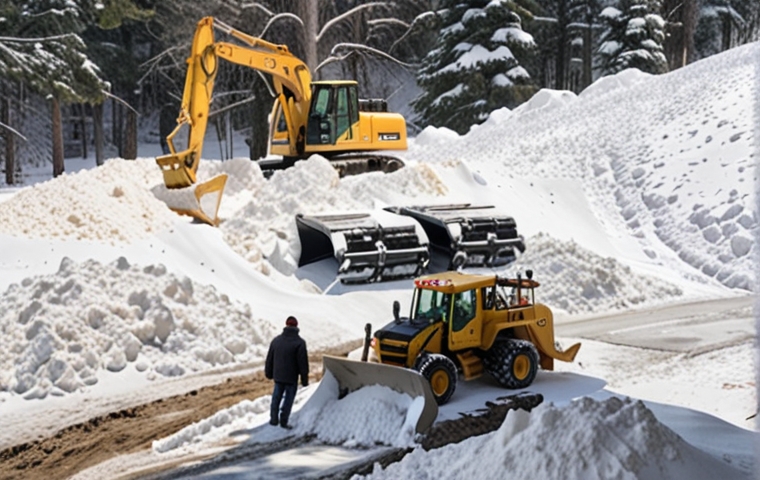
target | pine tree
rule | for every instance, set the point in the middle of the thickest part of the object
(634, 38)
(724, 24)
(475, 66)
(44, 51)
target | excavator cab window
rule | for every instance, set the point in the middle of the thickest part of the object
(342, 113)
(320, 127)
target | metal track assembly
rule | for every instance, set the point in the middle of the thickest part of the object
(369, 247)
(471, 235)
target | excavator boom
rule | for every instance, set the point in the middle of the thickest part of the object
(292, 81)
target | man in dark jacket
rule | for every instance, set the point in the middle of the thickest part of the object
(286, 360)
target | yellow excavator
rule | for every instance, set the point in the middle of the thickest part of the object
(324, 117)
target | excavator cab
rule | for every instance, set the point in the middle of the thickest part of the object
(334, 113)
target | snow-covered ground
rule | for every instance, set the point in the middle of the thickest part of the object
(640, 192)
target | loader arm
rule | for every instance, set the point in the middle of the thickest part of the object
(291, 80)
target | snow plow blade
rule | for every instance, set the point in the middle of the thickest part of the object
(369, 247)
(352, 375)
(472, 235)
(200, 201)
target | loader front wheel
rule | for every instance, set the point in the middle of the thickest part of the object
(513, 363)
(441, 372)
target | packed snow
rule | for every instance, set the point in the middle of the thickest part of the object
(589, 439)
(637, 193)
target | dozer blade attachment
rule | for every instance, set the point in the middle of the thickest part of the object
(352, 375)
(472, 235)
(369, 247)
(200, 201)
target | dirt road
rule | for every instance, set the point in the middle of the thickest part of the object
(78, 447)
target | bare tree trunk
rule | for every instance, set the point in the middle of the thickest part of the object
(588, 56)
(58, 167)
(681, 16)
(83, 127)
(308, 11)
(116, 127)
(130, 144)
(561, 49)
(10, 151)
(259, 132)
(690, 19)
(97, 128)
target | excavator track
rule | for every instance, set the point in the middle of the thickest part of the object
(356, 164)
(346, 165)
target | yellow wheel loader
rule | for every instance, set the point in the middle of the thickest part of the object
(459, 325)
(325, 117)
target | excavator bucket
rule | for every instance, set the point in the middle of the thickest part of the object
(183, 195)
(369, 247)
(352, 375)
(471, 235)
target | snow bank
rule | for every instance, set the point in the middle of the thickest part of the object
(664, 159)
(579, 281)
(62, 328)
(587, 439)
(110, 203)
(218, 426)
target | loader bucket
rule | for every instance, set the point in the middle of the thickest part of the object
(472, 235)
(200, 201)
(352, 375)
(368, 247)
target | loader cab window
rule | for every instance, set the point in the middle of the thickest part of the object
(430, 306)
(465, 307)
(320, 126)
(492, 299)
(521, 298)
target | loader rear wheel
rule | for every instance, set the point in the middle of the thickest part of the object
(441, 372)
(513, 363)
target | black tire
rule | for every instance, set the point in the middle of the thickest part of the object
(513, 363)
(441, 373)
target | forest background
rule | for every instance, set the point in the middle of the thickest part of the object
(97, 74)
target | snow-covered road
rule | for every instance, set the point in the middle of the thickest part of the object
(692, 327)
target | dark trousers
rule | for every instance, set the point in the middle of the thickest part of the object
(288, 390)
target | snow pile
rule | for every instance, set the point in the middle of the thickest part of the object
(586, 439)
(217, 427)
(664, 159)
(373, 415)
(579, 281)
(263, 225)
(110, 203)
(61, 329)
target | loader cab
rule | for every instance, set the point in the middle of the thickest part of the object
(333, 114)
(430, 306)
(460, 311)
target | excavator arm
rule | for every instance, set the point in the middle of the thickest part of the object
(292, 86)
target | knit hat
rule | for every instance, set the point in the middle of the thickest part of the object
(291, 322)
